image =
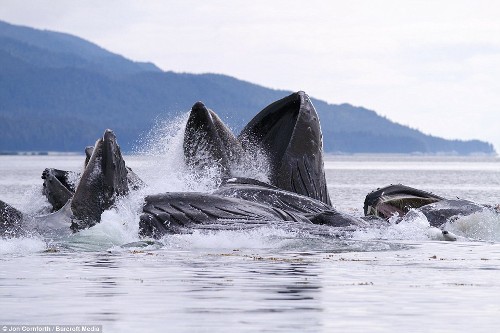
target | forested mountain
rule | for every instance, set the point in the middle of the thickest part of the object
(59, 92)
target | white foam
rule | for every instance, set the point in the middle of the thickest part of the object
(414, 226)
(22, 246)
(119, 225)
(162, 161)
(259, 238)
(483, 225)
(253, 164)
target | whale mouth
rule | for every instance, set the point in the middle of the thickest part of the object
(397, 199)
(278, 120)
(289, 132)
(208, 142)
(104, 178)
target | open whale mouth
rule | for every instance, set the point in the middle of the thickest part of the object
(104, 178)
(278, 120)
(208, 142)
(290, 133)
(397, 199)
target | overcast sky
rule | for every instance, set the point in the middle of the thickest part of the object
(432, 65)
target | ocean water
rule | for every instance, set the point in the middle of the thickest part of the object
(273, 279)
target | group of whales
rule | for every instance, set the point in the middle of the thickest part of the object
(287, 131)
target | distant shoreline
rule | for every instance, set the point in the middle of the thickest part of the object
(39, 153)
(442, 154)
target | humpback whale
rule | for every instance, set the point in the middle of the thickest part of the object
(238, 203)
(176, 212)
(58, 187)
(289, 131)
(208, 142)
(316, 211)
(104, 179)
(10, 221)
(398, 200)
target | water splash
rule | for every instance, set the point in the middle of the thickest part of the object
(483, 226)
(163, 167)
(22, 246)
(253, 164)
(258, 238)
(413, 226)
(34, 202)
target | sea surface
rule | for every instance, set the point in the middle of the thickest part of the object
(402, 278)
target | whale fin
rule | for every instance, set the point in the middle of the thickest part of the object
(104, 178)
(289, 131)
(208, 141)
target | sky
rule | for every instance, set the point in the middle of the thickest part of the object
(431, 65)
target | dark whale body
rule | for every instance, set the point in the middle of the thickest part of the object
(181, 212)
(238, 203)
(58, 187)
(104, 179)
(257, 191)
(10, 221)
(314, 210)
(208, 142)
(290, 132)
(398, 200)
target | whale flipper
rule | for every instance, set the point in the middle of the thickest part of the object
(177, 212)
(289, 131)
(104, 179)
(208, 142)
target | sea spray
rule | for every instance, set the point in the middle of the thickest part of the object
(258, 238)
(413, 226)
(22, 246)
(163, 168)
(480, 226)
(253, 164)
